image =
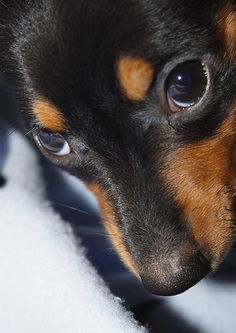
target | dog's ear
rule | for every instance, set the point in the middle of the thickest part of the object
(226, 21)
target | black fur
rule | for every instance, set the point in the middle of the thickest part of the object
(66, 51)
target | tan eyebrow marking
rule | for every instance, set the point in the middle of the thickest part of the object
(226, 20)
(110, 222)
(48, 116)
(135, 76)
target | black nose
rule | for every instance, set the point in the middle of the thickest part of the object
(174, 275)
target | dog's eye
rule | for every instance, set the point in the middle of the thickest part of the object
(54, 143)
(186, 85)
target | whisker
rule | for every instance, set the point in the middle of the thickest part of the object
(82, 232)
(92, 233)
(11, 132)
(73, 208)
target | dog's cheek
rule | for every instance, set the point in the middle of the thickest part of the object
(110, 222)
(201, 177)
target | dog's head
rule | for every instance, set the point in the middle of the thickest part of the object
(136, 97)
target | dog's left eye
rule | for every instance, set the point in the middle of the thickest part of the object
(54, 143)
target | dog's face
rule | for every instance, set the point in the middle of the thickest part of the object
(136, 98)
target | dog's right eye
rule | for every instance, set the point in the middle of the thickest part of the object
(52, 142)
(185, 85)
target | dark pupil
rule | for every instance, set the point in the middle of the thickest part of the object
(54, 142)
(187, 83)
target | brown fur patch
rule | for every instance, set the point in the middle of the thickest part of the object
(202, 176)
(135, 76)
(110, 222)
(48, 116)
(226, 21)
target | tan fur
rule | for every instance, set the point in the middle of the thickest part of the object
(202, 176)
(110, 222)
(135, 76)
(48, 115)
(226, 21)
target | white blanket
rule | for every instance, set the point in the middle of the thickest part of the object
(46, 283)
(48, 286)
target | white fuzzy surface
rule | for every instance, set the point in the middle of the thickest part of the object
(46, 283)
(209, 307)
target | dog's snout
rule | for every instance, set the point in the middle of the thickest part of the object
(175, 274)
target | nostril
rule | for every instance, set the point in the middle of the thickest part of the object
(168, 279)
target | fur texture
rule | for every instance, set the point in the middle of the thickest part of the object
(165, 181)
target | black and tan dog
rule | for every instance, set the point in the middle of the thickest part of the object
(137, 98)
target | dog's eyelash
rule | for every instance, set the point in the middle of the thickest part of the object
(30, 131)
(14, 130)
(86, 232)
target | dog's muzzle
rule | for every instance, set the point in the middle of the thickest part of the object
(174, 274)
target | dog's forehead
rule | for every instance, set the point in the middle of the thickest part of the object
(87, 41)
(87, 51)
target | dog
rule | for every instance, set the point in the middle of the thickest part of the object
(137, 99)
